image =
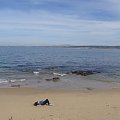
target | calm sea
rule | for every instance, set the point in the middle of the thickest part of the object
(36, 64)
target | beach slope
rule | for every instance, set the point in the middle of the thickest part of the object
(17, 104)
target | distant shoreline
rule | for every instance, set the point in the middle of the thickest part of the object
(70, 46)
(100, 47)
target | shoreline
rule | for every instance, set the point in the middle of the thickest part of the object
(67, 105)
(67, 82)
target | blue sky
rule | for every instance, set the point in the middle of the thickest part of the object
(59, 22)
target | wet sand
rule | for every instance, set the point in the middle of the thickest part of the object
(17, 104)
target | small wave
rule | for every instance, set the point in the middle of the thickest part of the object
(16, 80)
(3, 81)
(36, 72)
(59, 74)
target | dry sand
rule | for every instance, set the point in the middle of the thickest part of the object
(68, 105)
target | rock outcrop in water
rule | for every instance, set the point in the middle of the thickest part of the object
(54, 79)
(84, 72)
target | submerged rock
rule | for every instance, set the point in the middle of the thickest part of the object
(84, 72)
(89, 88)
(54, 79)
(16, 85)
(48, 79)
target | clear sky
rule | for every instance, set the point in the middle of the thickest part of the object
(59, 22)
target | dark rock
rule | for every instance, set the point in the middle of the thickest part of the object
(15, 86)
(48, 79)
(84, 72)
(54, 79)
(89, 88)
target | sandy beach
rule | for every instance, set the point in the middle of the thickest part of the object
(17, 104)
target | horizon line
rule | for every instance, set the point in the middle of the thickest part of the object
(59, 45)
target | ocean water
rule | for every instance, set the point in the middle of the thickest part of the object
(33, 66)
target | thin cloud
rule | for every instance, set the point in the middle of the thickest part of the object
(84, 9)
(47, 21)
(78, 21)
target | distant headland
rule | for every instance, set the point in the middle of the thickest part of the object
(71, 46)
(100, 47)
